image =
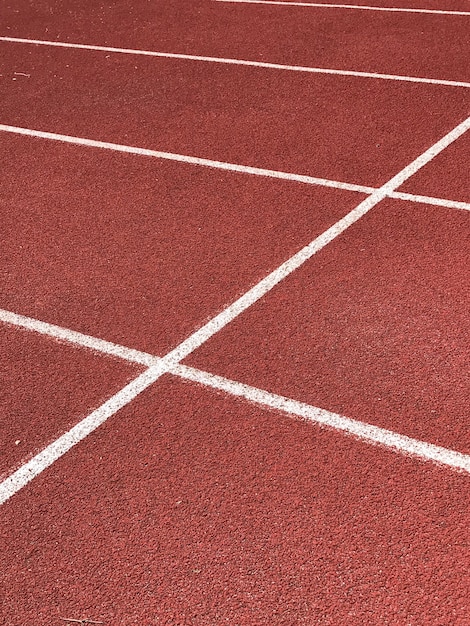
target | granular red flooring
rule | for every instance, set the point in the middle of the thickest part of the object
(189, 506)
(46, 388)
(375, 327)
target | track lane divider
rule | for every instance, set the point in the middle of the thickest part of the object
(230, 167)
(229, 61)
(360, 7)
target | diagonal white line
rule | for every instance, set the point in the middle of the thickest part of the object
(55, 450)
(361, 430)
(229, 61)
(230, 167)
(360, 7)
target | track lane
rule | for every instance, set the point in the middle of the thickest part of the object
(397, 43)
(140, 251)
(333, 127)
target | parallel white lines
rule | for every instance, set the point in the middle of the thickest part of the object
(231, 167)
(229, 61)
(44, 459)
(361, 430)
(79, 339)
(360, 7)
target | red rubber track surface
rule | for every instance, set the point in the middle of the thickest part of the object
(214, 511)
(374, 327)
(46, 387)
(141, 251)
(433, 46)
(351, 129)
(447, 175)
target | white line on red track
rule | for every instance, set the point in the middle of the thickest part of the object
(44, 459)
(78, 339)
(361, 430)
(231, 167)
(361, 7)
(228, 61)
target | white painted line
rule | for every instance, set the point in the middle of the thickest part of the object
(260, 64)
(54, 451)
(361, 430)
(360, 7)
(182, 158)
(58, 448)
(449, 204)
(258, 291)
(231, 167)
(79, 339)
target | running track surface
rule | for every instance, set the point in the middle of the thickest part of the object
(168, 354)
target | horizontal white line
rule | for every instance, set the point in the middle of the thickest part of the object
(361, 7)
(449, 204)
(261, 64)
(361, 430)
(79, 339)
(231, 167)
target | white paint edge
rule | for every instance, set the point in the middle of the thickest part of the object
(79, 339)
(182, 158)
(360, 430)
(230, 167)
(44, 459)
(229, 61)
(320, 5)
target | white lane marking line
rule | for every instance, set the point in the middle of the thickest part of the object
(182, 158)
(450, 204)
(55, 450)
(230, 167)
(360, 7)
(60, 446)
(229, 61)
(361, 430)
(76, 338)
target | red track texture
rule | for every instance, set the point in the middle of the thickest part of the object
(374, 327)
(141, 251)
(190, 507)
(357, 130)
(215, 511)
(434, 46)
(46, 388)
